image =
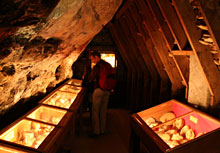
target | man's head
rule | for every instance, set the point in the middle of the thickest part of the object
(95, 57)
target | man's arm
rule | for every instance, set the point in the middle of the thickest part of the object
(94, 73)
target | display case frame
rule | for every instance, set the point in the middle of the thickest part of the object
(141, 132)
(65, 87)
(74, 82)
(6, 148)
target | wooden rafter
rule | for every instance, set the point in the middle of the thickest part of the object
(182, 52)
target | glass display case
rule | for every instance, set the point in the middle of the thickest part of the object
(27, 133)
(70, 88)
(75, 82)
(61, 99)
(47, 114)
(176, 127)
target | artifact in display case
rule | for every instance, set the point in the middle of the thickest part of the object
(174, 127)
(70, 88)
(27, 133)
(61, 99)
(75, 82)
(47, 114)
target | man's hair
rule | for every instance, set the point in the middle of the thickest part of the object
(95, 53)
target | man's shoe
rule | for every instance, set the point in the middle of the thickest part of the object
(93, 135)
(101, 134)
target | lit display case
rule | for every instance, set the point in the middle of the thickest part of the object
(27, 133)
(44, 127)
(70, 88)
(47, 114)
(75, 82)
(61, 99)
(175, 128)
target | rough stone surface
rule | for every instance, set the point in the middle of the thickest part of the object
(40, 40)
(198, 90)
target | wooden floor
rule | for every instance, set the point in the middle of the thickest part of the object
(115, 140)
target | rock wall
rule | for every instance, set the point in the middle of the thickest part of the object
(198, 89)
(40, 41)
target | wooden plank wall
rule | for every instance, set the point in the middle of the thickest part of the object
(156, 38)
(149, 82)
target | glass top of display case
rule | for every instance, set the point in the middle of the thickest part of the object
(61, 99)
(27, 133)
(70, 88)
(47, 114)
(75, 82)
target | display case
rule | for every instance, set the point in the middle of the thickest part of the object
(70, 88)
(47, 114)
(176, 127)
(27, 133)
(75, 82)
(60, 99)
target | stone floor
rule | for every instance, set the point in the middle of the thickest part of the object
(115, 140)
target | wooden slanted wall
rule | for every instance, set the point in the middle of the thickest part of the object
(156, 39)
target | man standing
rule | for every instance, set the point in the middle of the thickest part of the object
(100, 96)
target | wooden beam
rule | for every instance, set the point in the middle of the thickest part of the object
(181, 52)
(173, 22)
(161, 47)
(204, 58)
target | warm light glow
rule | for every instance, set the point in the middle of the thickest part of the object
(110, 58)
